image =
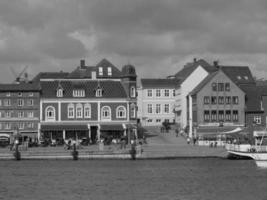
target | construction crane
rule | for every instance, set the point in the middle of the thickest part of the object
(19, 77)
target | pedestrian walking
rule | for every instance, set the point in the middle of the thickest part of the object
(188, 140)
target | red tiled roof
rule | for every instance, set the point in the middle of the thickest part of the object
(50, 75)
(159, 83)
(111, 89)
(253, 99)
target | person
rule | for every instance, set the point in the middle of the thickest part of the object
(194, 140)
(188, 140)
(177, 132)
(69, 144)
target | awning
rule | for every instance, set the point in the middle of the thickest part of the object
(217, 130)
(111, 127)
(4, 135)
(67, 127)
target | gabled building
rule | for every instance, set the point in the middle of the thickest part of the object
(90, 102)
(189, 77)
(156, 98)
(19, 109)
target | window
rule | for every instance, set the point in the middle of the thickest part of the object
(7, 102)
(149, 120)
(149, 108)
(238, 77)
(221, 100)
(228, 115)
(206, 100)
(20, 114)
(158, 93)
(213, 100)
(21, 125)
(50, 113)
(235, 99)
(79, 111)
(220, 87)
(31, 94)
(99, 92)
(106, 113)
(235, 115)
(214, 86)
(30, 114)
(8, 94)
(20, 102)
(30, 125)
(149, 93)
(133, 93)
(109, 71)
(227, 100)
(100, 71)
(214, 115)
(78, 93)
(60, 92)
(19, 94)
(121, 112)
(132, 114)
(158, 120)
(8, 114)
(71, 110)
(173, 93)
(87, 111)
(206, 115)
(166, 93)
(7, 125)
(30, 102)
(257, 119)
(246, 77)
(227, 86)
(221, 115)
(158, 109)
(166, 108)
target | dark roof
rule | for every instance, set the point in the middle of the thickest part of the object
(86, 71)
(111, 89)
(239, 74)
(50, 75)
(16, 87)
(159, 83)
(203, 83)
(262, 89)
(253, 98)
(190, 67)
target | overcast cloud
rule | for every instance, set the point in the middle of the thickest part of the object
(157, 36)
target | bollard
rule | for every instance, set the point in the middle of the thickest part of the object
(17, 154)
(75, 153)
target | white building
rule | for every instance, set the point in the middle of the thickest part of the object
(156, 98)
(189, 77)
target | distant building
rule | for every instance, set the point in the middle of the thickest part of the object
(90, 102)
(156, 98)
(19, 109)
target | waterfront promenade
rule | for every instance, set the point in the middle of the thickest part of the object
(159, 146)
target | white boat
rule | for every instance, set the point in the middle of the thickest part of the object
(256, 152)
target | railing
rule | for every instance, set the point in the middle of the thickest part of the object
(245, 148)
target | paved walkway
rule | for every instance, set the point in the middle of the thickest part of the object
(167, 145)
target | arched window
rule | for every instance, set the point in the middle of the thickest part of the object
(50, 113)
(60, 92)
(106, 113)
(133, 111)
(79, 111)
(71, 110)
(87, 110)
(133, 92)
(121, 112)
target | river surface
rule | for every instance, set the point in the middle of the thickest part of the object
(125, 179)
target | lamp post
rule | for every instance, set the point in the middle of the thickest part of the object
(17, 153)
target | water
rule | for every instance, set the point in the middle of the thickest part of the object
(125, 179)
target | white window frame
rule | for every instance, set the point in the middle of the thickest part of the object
(7, 102)
(133, 91)
(158, 108)
(53, 113)
(149, 108)
(87, 114)
(21, 125)
(257, 119)
(158, 93)
(121, 112)
(106, 110)
(60, 92)
(166, 92)
(79, 111)
(8, 114)
(132, 111)
(20, 114)
(99, 92)
(7, 125)
(30, 102)
(30, 125)
(20, 102)
(150, 93)
(166, 106)
(30, 114)
(8, 94)
(100, 71)
(109, 71)
(31, 94)
(79, 93)
(71, 111)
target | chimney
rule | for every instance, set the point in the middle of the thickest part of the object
(195, 60)
(82, 64)
(216, 63)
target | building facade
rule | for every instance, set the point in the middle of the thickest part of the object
(156, 98)
(19, 109)
(91, 102)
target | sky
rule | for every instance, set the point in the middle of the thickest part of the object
(158, 37)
